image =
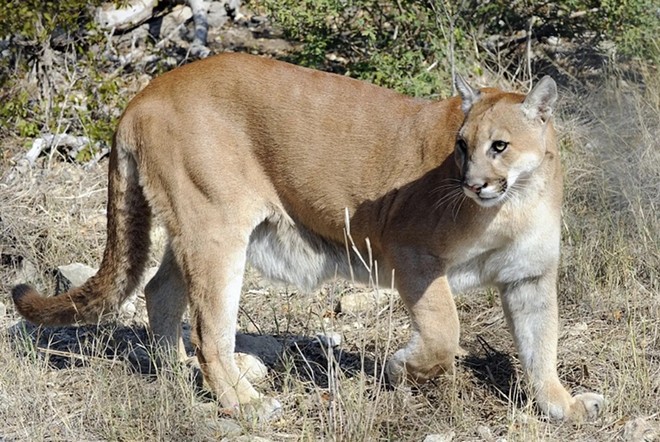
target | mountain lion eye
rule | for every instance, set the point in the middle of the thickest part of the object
(461, 145)
(499, 146)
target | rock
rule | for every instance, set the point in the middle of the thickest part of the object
(251, 439)
(173, 23)
(484, 433)
(71, 145)
(108, 16)
(217, 14)
(329, 339)
(267, 348)
(360, 302)
(128, 309)
(3, 309)
(440, 437)
(638, 430)
(72, 275)
(222, 427)
(251, 367)
(578, 329)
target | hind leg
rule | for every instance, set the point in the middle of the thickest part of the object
(167, 299)
(212, 256)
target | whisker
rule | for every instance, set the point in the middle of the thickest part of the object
(448, 199)
(458, 209)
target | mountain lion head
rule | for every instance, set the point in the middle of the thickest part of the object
(501, 145)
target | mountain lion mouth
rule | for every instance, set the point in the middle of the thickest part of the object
(488, 201)
(486, 195)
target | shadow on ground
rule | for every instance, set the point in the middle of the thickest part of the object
(306, 359)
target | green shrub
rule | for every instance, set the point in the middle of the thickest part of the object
(393, 43)
(389, 43)
(35, 97)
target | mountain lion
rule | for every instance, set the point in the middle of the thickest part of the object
(250, 159)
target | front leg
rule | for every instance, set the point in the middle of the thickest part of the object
(434, 341)
(530, 307)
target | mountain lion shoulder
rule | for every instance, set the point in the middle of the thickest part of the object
(250, 159)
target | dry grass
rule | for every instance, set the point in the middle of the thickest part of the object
(85, 384)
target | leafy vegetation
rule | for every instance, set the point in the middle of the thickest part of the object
(396, 44)
(36, 95)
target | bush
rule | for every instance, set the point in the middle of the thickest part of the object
(40, 37)
(394, 43)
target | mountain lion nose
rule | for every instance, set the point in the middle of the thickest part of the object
(476, 188)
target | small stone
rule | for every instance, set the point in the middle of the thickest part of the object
(3, 309)
(221, 427)
(440, 437)
(329, 339)
(252, 439)
(484, 433)
(360, 302)
(175, 21)
(251, 367)
(72, 275)
(217, 15)
(638, 430)
(128, 309)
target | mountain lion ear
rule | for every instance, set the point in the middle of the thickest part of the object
(468, 95)
(540, 101)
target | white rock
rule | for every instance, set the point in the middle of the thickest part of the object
(131, 15)
(329, 339)
(128, 309)
(440, 437)
(177, 18)
(3, 309)
(250, 366)
(360, 302)
(74, 275)
(223, 427)
(484, 433)
(639, 430)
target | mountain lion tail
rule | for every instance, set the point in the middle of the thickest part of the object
(124, 259)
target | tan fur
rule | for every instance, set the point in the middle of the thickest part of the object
(245, 158)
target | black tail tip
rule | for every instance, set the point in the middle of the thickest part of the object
(20, 291)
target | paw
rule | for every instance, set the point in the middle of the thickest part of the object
(395, 369)
(399, 369)
(587, 406)
(261, 410)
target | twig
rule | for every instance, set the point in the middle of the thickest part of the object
(50, 351)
